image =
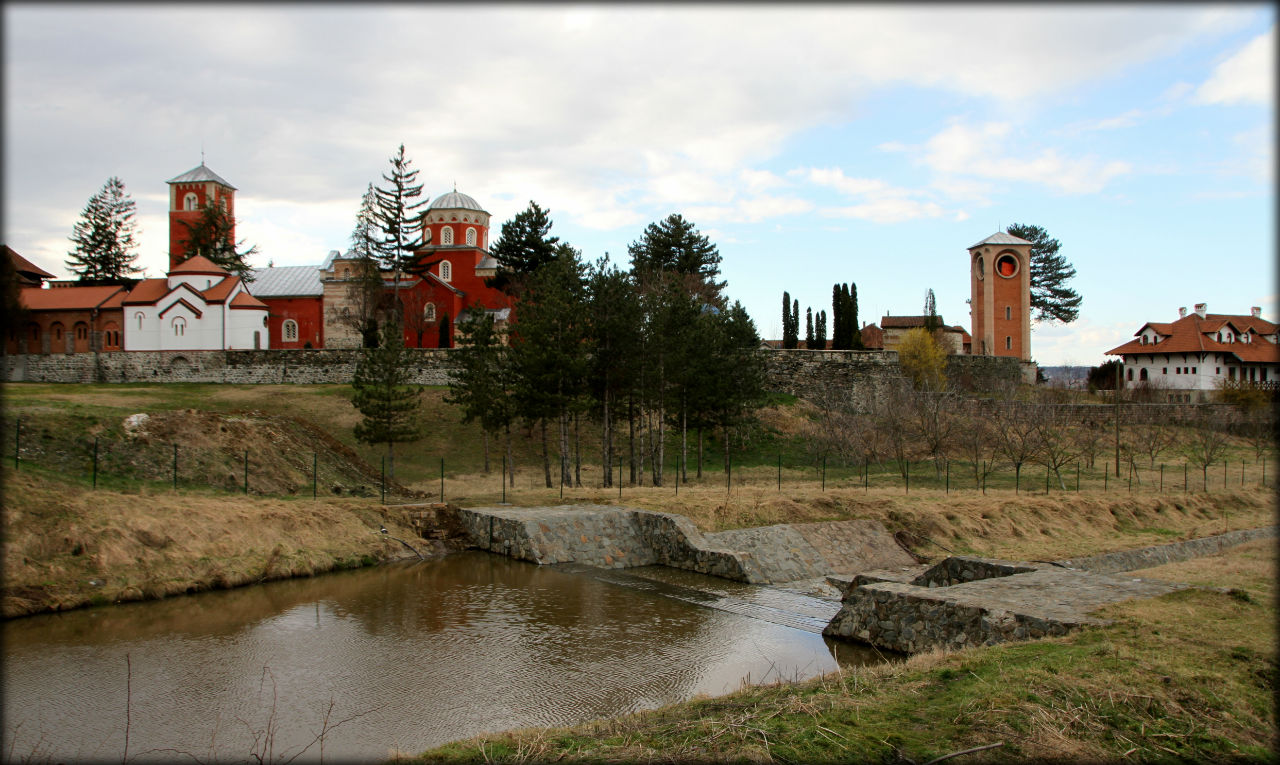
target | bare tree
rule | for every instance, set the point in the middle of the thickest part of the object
(1055, 447)
(893, 425)
(975, 441)
(1206, 441)
(1017, 428)
(932, 423)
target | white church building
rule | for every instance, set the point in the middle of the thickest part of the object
(199, 306)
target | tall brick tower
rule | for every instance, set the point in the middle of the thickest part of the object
(1000, 286)
(188, 195)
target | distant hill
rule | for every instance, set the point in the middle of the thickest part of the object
(1065, 373)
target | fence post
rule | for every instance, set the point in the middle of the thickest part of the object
(984, 478)
(1242, 473)
(175, 467)
(561, 478)
(728, 472)
(948, 476)
(95, 462)
(780, 473)
(824, 473)
(1184, 477)
(1224, 474)
(1105, 476)
(382, 480)
(442, 479)
(315, 463)
(17, 441)
(1162, 478)
(1046, 479)
(619, 476)
(906, 479)
(246, 471)
(1077, 477)
(1017, 477)
(1130, 477)
(504, 479)
(866, 475)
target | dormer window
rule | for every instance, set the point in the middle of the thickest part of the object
(1144, 340)
(191, 202)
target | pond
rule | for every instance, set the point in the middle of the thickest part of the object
(354, 665)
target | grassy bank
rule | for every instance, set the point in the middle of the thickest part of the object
(66, 546)
(1190, 676)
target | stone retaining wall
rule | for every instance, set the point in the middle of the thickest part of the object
(1157, 555)
(959, 569)
(615, 537)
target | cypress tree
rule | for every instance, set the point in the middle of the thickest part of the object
(855, 329)
(820, 330)
(837, 317)
(808, 328)
(789, 332)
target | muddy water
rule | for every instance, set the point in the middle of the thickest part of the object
(403, 657)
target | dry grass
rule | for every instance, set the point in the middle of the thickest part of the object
(66, 547)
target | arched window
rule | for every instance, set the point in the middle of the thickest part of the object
(346, 272)
(1008, 342)
(56, 330)
(446, 270)
(289, 330)
(446, 235)
(139, 317)
(82, 331)
(191, 201)
(426, 235)
(471, 237)
(429, 312)
(1008, 312)
(179, 326)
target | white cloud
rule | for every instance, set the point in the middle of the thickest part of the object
(887, 210)
(1246, 77)
(984, 151)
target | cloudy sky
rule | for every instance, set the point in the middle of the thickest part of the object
(813, 144)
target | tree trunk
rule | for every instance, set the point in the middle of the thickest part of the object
(565, 477)
(631, 437)
(511, 460)
(724, 432)
(485, 435)
(684, 444)
(699, 452)
(606, 443)
(577, 452)
(660, 451)
(546, 457)
(391, 460)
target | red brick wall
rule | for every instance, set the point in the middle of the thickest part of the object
(308, 312)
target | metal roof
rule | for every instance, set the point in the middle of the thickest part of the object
(287, 281)
(328, 260)
(1002, 237)
(455, 200)
(200, 174)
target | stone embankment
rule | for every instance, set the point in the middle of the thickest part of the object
(965, 601)
(616, 537)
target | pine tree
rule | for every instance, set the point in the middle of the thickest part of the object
(808, 327)
(1051, 298)
(212, 235)
(364, 291)
(524, 246)
(481, 386)
(399, 224)
(383, 394)
(931, 320)
(676, 245)
(104, 237)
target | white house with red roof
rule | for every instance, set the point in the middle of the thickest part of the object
(199, 306)
(1200, 350)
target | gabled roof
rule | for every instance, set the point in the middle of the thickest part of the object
(25, 267)
(200, 174)
(1192, 334)
(1001, 237)
(182, 301)
(245, 300)
(147, 292)
(198, 264)
(68, 298)
(907, 322)
(218, 292)
(287, 281)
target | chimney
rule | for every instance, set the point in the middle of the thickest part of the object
(1256, 312)
(1202, 309)
(1182, 312)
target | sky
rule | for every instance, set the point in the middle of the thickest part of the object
(813, 144)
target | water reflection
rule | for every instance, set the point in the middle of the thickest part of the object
(406, 657)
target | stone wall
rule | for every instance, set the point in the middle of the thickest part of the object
(616, 537)
(1157, 555)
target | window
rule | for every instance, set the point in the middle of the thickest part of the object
(1008, 342)
(471, 237)
(1008, 312)
(1006, 265)
(82, 331)
(1193, 370)
(1177, 370)
(1130, 375)
(446, 270)
(1262, 373)
(346, 272)
(138, 316)
(446, 235)
(1217, 370)
(57, 331)
(1143, 340)
(289, 330)
(190, 201)
(429, 312)
(179, 326)
(1164, 370)
(1142, 376)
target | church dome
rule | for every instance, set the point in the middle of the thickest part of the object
(455, 200)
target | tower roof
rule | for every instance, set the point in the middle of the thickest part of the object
(1002, 237)
(455, 200)
(199, 174)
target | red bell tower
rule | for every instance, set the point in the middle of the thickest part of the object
(1000, 286)
(189, 194)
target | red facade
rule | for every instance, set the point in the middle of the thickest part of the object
(306, 315)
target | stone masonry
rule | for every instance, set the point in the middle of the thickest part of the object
(615, 537)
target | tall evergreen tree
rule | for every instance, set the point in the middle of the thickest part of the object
(808, 327)
(365, 288)
(399, 222)
(524, 246)
(481, 386)
(675, 245)
(837, 319)
(1051, 298)
(387, 401)
(931, 320)
(788, 341)
(105, 236)
(615, 319)
(855, 329)
(820, 330)
(213, 236)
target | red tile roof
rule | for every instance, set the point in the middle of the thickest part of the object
(68, 298)
(872, 337)
(218, 292)
(147, 292)
(198, 264)
(245, 300)
(25, 267)
(1192, 334)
